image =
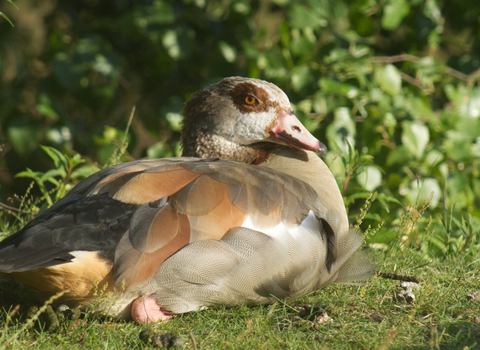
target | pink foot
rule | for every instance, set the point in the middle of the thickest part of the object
(146, 310)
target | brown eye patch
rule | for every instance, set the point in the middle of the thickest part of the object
(250, 98)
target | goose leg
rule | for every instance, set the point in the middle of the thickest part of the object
(146, 310)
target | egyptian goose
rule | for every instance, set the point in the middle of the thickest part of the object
(166, 236)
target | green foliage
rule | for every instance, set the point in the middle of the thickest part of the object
(66, 172)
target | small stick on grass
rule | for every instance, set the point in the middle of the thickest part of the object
(192, 337)
(394, 276)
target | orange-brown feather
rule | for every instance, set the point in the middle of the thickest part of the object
(217, 222)
(78, 279)
(148, 263)
(199, 197)
(150, 186)
(164, 228)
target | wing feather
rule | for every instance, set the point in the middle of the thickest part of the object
(135, 264)
(149, 186)
(172, 202)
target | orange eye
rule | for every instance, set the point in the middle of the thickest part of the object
(250, 100)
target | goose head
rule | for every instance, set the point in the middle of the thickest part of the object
(242, 119)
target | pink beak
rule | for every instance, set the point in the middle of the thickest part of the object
(289, 130)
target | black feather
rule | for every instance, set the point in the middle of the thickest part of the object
(331, 251)
(93, 223)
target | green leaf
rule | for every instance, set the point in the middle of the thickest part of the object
(50, 175)
(415, 137)
(331, 85)
(174, 121)
(302, 44)
(305, 17)
(228, 51)
(170, 42)
(458, 150)
(59, 159)
(370, 178)
(24, 137)
(471, 106)
(8, 20)
(75, 160)
(383, 199)
(374, 216)
(159, 150)
(389, 79)
(301, 77)
(433, 158)
(84, 171)
(394, 12)
(29, 173)
(451, 92)
(421, 190)
(468, 128)
(399, 155)
(420, 109)
(102, 65)
(432, 10)
(66, 72)
(341, 130)
(40, 179)
(11, 2)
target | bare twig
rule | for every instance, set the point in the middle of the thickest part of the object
(412, 80)
(410, 58)
(17, 210)
(393, 59)
(192, 338)
(457, 74)
(473, 76)
(394, 276)
(132, 113)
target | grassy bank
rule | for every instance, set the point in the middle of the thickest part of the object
(368, 317)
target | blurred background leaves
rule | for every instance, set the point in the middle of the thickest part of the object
(391, 86)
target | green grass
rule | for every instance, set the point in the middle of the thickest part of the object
(362, 317)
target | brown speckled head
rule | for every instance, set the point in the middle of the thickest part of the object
(233, 119)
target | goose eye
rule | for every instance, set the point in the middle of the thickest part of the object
(250, 100)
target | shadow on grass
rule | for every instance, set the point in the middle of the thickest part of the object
(13, 293)
(458, 335)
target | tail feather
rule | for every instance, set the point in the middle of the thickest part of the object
(357, 266)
